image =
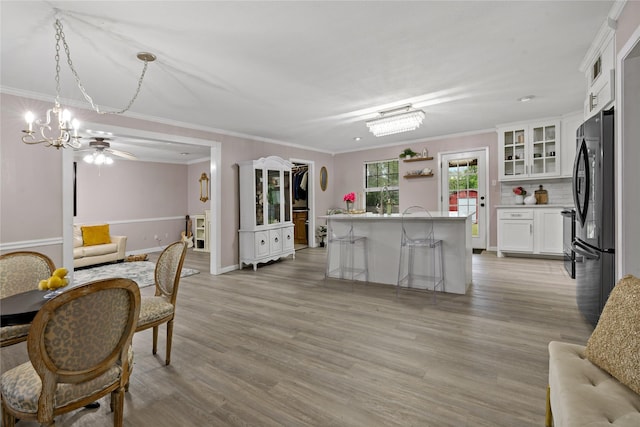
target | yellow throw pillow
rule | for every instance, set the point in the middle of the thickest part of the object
(95, 235)
(614, 344)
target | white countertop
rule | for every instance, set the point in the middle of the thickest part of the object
(534, 206)
(369, 216)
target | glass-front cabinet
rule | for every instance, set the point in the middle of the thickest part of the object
(529, 150)
(266, 228)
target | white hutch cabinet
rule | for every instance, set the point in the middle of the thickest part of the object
(266, 227)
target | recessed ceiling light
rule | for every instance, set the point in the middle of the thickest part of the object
(357, 138)
(526, 98)
(184, 154)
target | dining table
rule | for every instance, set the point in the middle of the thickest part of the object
(20, 309)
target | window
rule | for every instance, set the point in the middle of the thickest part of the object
(377, 175)
(463, 189)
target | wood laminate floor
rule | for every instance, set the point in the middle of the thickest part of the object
(283, 347)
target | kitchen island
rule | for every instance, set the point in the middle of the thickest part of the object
(383, 234)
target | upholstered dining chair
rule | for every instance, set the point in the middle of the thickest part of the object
(79, 351)
(21, 272)
(161, 308)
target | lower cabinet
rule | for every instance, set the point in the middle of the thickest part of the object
(536, 231)
(548, 228)
(260, 246)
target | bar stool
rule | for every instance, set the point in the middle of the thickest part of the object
(340, 233)
(418, 244)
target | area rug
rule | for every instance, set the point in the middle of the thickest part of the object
(140, 272)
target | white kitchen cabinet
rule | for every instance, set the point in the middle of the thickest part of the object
(515, 231)
(599, 69)
(570, 124)
(529, 151)
(266, 227)
(534, 231)
(548, 231)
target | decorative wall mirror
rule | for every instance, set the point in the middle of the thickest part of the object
(204, 187)
(324, 177)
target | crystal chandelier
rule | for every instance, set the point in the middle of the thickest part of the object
(61, 130)
(402, 119)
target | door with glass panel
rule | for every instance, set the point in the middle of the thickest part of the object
(463, 190)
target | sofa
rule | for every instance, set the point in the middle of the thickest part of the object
(598, 384)
(93, 244)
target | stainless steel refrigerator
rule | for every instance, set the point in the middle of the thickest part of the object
(593, 194)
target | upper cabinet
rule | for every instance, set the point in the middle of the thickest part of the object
(598, 67)
(529, 150)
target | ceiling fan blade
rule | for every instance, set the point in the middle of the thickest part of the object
(119, 153)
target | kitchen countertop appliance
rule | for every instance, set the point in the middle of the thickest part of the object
(593, 194)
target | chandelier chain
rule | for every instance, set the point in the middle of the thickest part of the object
(57, 68)
(60, 37)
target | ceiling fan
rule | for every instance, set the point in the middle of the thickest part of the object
(101, 150)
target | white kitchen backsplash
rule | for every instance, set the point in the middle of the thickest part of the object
(558, 190)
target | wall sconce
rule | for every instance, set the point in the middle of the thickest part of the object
(204, 187)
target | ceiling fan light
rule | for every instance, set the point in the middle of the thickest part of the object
(108, 160)
(88, 158)
(100, 158)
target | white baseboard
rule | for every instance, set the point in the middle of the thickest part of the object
(228, 269)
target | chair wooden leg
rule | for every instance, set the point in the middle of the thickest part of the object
(8, 420)
(155, 339)
(169, 338)
(548, 419)
(117, 404)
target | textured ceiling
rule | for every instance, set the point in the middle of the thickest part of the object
(310, 73)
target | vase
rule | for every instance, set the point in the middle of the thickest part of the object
(349, 206)
(530, 200)
(519, 199)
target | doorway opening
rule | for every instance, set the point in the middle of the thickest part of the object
(302, 190)
(463, 190)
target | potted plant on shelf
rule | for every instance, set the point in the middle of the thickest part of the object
(408, 153)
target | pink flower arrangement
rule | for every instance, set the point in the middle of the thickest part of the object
(349, 197)
(519, 191)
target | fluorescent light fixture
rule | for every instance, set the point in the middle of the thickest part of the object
(402, 119)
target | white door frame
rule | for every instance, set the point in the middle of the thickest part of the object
(626, 131)
(480, 152)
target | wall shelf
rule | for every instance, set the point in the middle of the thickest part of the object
(418, 176)
(417, 159)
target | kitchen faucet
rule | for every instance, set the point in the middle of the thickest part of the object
(384, 192)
